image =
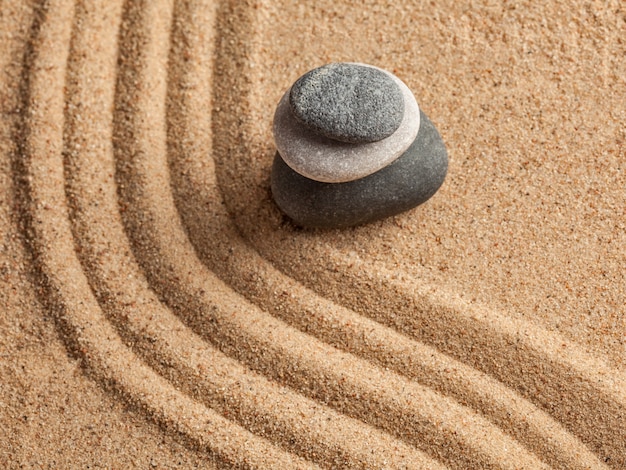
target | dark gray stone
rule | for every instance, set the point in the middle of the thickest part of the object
(407, 182)
(348, 102)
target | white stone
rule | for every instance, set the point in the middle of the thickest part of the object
(322, 159)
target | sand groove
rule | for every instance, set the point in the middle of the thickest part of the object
(183, 312)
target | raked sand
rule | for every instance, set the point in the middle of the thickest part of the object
(158, 311)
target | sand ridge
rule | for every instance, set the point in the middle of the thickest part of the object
(183, 292)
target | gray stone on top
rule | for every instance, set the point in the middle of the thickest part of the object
(348, 102)
(327, 160)
(407, 182)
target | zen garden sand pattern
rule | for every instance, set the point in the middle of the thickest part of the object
(159, 310)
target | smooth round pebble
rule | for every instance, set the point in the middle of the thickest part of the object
(348, 102)
(322, 159)
(407, 182)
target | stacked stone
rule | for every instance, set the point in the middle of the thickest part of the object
(353, 147)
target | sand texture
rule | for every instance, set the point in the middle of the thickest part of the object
(158, 311)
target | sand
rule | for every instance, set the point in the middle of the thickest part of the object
(158, 311)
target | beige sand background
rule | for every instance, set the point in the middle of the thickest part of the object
(157, 310)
